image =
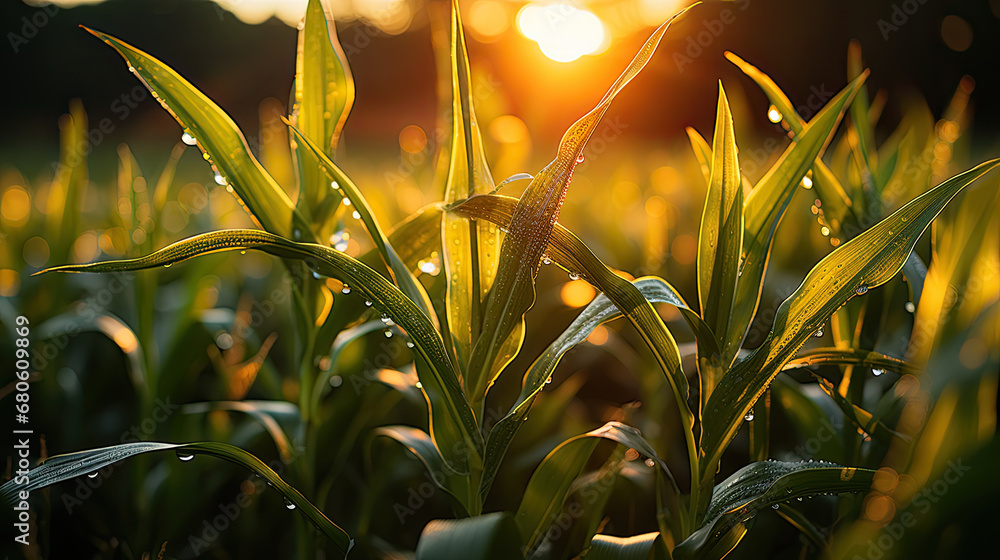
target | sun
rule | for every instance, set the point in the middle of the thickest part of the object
(564, 33)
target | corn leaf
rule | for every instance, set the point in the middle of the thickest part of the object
(264, 412)
(470, 249)
(110, 326)
(550, 483)
(836, 204)
(452, 424)
(869, 260)
(420, 445)
(639, 547)
(485, 537)
(530, 228)
(764, 209)
(324, 95)
(66, 467)
(601, 310)
(721, 237)
(756, 486)
(219, 139)
(850, 357)
(398, 271)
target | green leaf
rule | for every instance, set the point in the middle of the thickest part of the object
(837, 205)
(867, 261)
(764, 209)
(453, 426)
(550, 483)
(111, 327)
(755, 487)
(850, 357)
(487, 537)
(470, 250)
(601, 310)
(398, 271)
(720, 239)
(264, 412)
(571, 253)
(66, 467)
(420, 445)
(639, 547)
(702, 153)
(324, 95)
(531, 226)
(219, 139)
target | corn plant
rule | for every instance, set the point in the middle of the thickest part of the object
(492, 248)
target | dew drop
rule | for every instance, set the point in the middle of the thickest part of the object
(749, 416)
(580, 158)
(650, 462)
(368, 303)
(546, 259)
(819, 332)
(910, 307)
(92, 474)
(877, 371)
(419, 385)
(807, 183)
(188, 139)
(409, 344)
(131, 68)
(336, 381)
(387, 333)
(574, 276)
(184, 456)
(335, 186)
(799, 498)
(773, 114)
(774, 506)
(346, 289)
(289, 504)
(862, 290)
(347, 202)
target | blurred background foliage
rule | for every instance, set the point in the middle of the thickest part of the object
(212, 329)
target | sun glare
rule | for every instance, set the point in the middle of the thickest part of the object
(563, 33)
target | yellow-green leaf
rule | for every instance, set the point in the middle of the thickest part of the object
(720, 239)
(219, 139)
(869, 260)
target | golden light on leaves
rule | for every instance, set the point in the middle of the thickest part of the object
(577, 293)
(563, 32)
(119, 333)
